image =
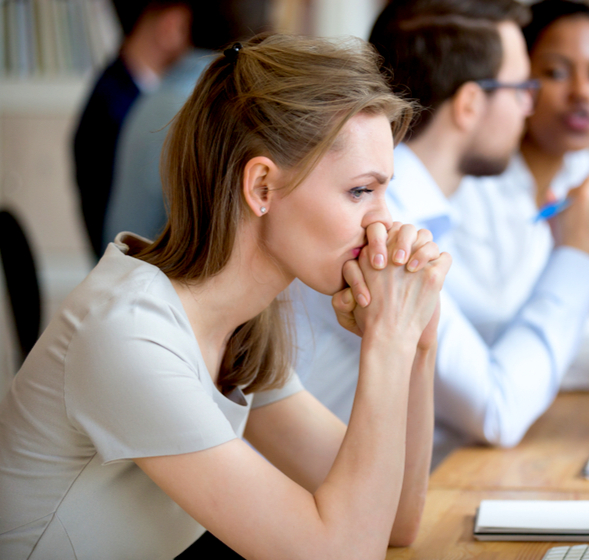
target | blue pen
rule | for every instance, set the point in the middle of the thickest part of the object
(552, 209)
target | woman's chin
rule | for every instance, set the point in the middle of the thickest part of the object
(577, 142)
(326, 287)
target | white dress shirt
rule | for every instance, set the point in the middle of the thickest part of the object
(501, 251)
(483, 392)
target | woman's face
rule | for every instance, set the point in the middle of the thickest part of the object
(313, 230)
(560, 59)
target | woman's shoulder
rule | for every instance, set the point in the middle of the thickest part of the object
(123, 300)
(124, 283)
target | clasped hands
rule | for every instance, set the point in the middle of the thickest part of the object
(394, 284)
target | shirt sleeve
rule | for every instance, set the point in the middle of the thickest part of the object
(495, 393)
(292, 386)
(133, 383)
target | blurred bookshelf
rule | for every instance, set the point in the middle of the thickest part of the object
(49, 51)
(51, 38)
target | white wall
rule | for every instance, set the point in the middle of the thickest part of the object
(345, 17)
(36, 122)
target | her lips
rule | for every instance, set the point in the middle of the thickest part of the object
(577, 121)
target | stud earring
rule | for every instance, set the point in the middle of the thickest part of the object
(263, 209)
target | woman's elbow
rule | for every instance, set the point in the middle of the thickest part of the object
(402, 541)
(405, 535)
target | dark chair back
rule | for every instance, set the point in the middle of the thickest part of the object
(21, 281)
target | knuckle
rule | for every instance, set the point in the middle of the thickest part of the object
(349, 268)
(408, 229)
(337, 300)
(434, 277)
(433, 249)
(342, 309)
(426, 234)
(430, 250)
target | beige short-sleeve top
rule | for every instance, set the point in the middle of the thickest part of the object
(117, 375)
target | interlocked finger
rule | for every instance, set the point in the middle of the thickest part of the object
(355, 279)
(401, 240)
(377, 236)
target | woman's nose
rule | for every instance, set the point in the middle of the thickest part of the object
(381, 214)
(580, 86)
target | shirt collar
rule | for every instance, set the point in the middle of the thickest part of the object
(147, 80)
(573, 172)
(416, 198)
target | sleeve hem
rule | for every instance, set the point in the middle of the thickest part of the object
(131, 455)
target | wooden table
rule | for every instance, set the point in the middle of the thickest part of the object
(550, 457)
(448, 520)
(545, 466)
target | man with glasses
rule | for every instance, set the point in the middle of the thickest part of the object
(527, 87)
(466, 63)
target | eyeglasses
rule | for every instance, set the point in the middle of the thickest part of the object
(527, 87)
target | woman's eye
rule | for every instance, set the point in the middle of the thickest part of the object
(357, 192)
(556, 74)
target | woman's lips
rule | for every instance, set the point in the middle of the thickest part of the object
(577, 121)
(357, 251)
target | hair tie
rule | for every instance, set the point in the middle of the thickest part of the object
(232, 52)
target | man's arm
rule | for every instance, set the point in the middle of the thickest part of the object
(495, 393)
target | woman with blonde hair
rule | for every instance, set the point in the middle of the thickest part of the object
(120, 436)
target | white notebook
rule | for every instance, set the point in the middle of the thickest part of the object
(532, 520)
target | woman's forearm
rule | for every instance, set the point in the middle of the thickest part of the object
(361, 492)
(420, 425)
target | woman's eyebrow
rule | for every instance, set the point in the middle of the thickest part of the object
(559, 57)
(380, 177)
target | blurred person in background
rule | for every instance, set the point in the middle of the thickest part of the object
(466, 63)
(156, 34)
(136, 203)
(553, 159)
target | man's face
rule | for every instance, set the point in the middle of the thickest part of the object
(500, 128)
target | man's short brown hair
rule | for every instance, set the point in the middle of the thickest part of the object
(432, 47)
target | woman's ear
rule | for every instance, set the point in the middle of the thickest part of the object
(468, 106)
(260, 181)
